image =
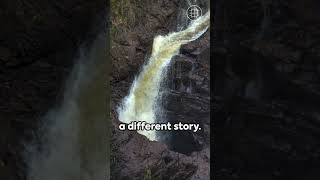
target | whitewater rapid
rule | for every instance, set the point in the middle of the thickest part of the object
(73, 136)
(141, 103)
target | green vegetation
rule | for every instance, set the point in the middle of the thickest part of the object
(124, 14)
(147, 175)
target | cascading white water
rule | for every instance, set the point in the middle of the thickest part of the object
(74, 144)
(140, 104)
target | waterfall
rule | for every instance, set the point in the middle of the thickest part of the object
(73, 143)
(140, 104)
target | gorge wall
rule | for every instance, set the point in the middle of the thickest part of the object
(187, 81)
(266, 89)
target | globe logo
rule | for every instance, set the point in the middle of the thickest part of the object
(193, 12)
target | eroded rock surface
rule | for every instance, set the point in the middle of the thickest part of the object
(266, 90)
(185, 97)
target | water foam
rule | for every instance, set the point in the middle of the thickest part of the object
(141, 103)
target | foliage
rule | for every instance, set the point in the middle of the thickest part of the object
(125, 14)
(147, 175)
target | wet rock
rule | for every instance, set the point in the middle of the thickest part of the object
(186, 78)
(137, 157)
(5, 54)
(278, 130)
(198, 46)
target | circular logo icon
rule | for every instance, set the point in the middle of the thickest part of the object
(193, 12)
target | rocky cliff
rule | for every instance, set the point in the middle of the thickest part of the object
(185, 95)
(39, 42)
(266, 90)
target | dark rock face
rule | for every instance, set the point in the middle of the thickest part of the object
(185, 98)
(266, 91)
(38, 43)
(133, 38)
(135, 157)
